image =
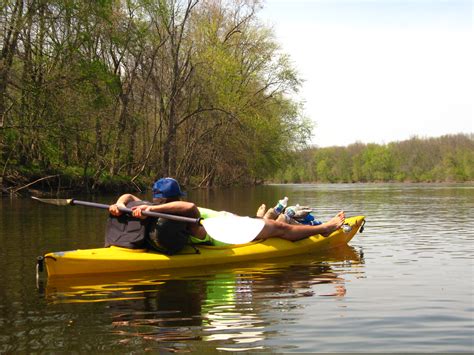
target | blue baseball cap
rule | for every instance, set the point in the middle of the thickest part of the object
(167, 188)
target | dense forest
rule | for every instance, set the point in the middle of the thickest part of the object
(94, 93)
(106, 93)
(448, 158)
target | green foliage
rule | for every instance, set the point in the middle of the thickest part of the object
(449, 158)
(106, 91)
(377, 163)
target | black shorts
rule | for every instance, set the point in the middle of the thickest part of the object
(168, 236)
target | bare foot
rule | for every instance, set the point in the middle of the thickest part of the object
(335, 223)
(270, 214)
(282, 218)
(261, 211)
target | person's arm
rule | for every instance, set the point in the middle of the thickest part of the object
(181, 208)
(121, 202)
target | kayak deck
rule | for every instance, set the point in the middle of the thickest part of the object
(116, 259)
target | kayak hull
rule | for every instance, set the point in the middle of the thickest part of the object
(116, 259)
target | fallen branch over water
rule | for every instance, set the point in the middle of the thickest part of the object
(14, 191)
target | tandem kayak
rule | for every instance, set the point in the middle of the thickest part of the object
(117, 260)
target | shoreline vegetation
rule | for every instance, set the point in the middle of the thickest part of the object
(446, 159)
(109, 93)
(449, 158)
(106, 96)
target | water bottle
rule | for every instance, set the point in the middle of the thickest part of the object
(290, 212)
(310, 220)
(281, 205)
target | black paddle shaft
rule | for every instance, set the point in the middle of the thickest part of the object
(145, 213)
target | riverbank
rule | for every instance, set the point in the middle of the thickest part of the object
(446, 159)
(57, 184)
(66, 185)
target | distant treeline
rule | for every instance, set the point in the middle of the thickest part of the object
(94, 93)
(448, 158)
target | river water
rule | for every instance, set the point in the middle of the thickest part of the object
(405, 284)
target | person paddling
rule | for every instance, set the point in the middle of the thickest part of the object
(161, 234)
(167, 199)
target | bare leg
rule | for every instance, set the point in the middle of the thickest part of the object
(275, 229)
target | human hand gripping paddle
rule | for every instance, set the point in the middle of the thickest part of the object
(226, 228)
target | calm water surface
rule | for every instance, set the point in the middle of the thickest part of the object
(405, 284)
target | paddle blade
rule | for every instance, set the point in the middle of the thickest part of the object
(55, 201)
(233, 229)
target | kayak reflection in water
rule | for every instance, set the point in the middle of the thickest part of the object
(167, 199)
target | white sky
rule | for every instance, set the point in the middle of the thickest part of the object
(378, 71)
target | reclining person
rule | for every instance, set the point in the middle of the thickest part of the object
(167, 199)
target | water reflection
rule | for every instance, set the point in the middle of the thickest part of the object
(227, 306)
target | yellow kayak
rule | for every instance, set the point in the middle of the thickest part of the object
(122, 286)
(115, 259)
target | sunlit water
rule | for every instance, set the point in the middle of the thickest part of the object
(405, 284)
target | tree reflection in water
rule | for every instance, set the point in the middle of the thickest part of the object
(223, 304)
